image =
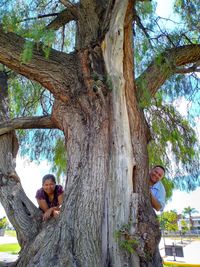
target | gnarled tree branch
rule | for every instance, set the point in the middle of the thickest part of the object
(41, 69)
(187, 70)
(64, 17)
(39, 122)
(67, 3)
(165, 66)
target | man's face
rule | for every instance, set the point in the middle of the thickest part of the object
(156, 174)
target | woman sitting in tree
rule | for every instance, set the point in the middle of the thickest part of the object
(50, 197)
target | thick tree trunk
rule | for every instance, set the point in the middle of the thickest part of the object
(106, 207)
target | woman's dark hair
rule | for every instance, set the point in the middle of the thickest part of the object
(48, 177)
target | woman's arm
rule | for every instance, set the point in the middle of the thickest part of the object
(56, 211)
(60, 199)
(42, 204)
(47, 211)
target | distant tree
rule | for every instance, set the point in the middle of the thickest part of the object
(184, 226)
(3, 223)
(188, 211)
(169, 220)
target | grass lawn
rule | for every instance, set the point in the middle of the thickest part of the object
(10, 248)
(174, 264)
(10, 233)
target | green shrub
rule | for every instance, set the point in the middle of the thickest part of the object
(3, 223)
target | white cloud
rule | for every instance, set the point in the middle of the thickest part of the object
(182, 105)
(164, 8)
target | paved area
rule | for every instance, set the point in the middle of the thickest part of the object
(8, 239)
(7, 257)
(191, 250)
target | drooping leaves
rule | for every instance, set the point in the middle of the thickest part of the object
(174, 144)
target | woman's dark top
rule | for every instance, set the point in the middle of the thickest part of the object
(40, 194)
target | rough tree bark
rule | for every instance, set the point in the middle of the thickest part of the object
(96, 107)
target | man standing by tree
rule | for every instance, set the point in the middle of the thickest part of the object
(157, 189)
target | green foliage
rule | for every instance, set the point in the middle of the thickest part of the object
(125, 240)
(146, 8)
(27, 52)
(45, 145)
(169, 186)
(10, 22)
(173, 140)
(29, 99)
(108, 82)
(168, 221)
(59, 159)
(143, 95)
(42, 38)
(26, 98)
(3, 223)
(21, 17)
(129, 245)
(184, 226)
(189, 12)
(188, 211)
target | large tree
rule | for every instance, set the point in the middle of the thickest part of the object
(97, 107)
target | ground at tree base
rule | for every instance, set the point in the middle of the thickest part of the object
(191, 250)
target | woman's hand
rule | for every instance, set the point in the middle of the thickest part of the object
(56, 213)
(47, 214)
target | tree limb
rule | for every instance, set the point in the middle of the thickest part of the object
(66, 3)
(40, 122)
(40, 17)
(63, 18)
(41, 69)
(187, 70)
(165, 66)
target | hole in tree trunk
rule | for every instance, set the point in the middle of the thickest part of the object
(133, 179)
(26, 210)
